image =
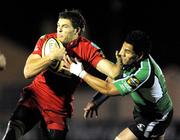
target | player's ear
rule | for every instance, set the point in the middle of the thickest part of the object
(140, 55)
(77, 30)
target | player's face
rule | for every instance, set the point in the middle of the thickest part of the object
(65, 31)
(127, 54)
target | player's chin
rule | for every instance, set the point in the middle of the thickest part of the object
(61, 38)
(64, 42)
(124, 62)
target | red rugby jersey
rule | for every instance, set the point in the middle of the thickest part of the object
(54, 92)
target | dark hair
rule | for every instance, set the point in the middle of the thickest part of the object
(76, 18)
(140, 40)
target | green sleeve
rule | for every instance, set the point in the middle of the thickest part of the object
(134, 81)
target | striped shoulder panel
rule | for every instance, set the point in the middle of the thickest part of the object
(95, 45)
(134, 81)
(144, 71)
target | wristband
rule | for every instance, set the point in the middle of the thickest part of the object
(99, 98)
(82, 74)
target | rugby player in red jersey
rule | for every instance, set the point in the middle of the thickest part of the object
(48, 99)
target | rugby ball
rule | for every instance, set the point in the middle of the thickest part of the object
(56, 65)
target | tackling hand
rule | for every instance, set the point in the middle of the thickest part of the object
(118, 58)
(90, 109)
(74, 68)
(119, 64)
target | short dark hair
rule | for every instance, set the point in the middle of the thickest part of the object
(76, 18)
(140, 40)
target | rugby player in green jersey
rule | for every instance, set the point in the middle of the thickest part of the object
(142, 79)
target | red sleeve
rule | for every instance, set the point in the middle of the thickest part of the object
(94, 54)
(96, 57)
(39, 45)
(40, 42)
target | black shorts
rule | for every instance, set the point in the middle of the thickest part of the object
(145, 128)
(30, 117)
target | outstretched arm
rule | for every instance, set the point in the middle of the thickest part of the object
(104, 87)
(109, 68)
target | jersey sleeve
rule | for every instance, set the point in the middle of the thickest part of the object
(134, 81)
(39, 45)
(95, 54)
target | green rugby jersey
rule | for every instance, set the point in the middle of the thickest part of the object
(146, 84)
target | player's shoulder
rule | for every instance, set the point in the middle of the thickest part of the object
(86, 42)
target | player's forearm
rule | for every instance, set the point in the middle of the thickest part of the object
(35, 66)
(116, 69)
(99, 98)
(97, 84)
(109, 68)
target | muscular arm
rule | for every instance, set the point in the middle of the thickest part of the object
(101, 86)
(99, 98)
(109, 68)
(35, 64)
(104, 87)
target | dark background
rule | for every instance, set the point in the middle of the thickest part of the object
(108, 21)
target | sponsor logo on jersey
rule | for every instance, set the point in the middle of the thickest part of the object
(133, 82)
